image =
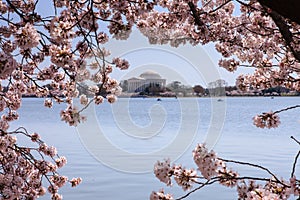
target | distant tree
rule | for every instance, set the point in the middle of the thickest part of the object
(124, 85)
(174, 85)
(221, 83)
(276, 90)
(180, 89)
(230, 88)
(199, 90)
(217, 88)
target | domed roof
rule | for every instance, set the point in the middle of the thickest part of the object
(150, 75)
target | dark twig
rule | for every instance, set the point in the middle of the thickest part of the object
(285, 32)
(288, 108)
(294, 164)
(295, 140)
(254, 165)
(198, 188)
(296, 158)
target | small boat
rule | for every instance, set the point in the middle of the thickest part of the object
(220, 100)
(158, 99)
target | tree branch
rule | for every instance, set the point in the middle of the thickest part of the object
(195, 14)
(294, 164)
(286, 109)
(198, 188)
(285, 31)
(254, 165)
(286, 8)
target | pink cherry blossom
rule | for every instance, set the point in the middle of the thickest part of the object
(48, 103)
(268, 120)
(207, 162)
(160, 196)
(61, 161)
(98, 99)
(121, 63)
(163, 171)
(184, 177)
(111, 98)
(27, 37)
(75, 181)
(83, 99)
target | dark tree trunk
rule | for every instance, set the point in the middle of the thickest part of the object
(287, 8)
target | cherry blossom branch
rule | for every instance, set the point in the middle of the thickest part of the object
(214, 170)
(36, 169)
(208, 182)
(29, 39)
(253, 165)
(285, 31)
(270, 119)
(15, 9)
(220, 6)
(195, 14)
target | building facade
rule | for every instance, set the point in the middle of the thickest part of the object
(146, 79)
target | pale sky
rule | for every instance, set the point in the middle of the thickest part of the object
(188, 64)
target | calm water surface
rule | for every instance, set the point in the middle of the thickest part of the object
(239, 140)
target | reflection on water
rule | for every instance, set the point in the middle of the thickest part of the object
(240, 140)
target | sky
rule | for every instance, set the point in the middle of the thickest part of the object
(191, 65)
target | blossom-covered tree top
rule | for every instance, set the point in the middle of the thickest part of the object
(66, 48)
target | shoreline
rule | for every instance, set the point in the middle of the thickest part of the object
(229, 96)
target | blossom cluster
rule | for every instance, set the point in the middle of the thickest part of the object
(29, 41)
(266, 120)
(183, 177)
(160, 195)
(163, 171)
(53, 55)
(23, 174)
(208, 164)
(214, 169)
(271, 190)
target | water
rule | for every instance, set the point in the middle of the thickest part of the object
(239, 140)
